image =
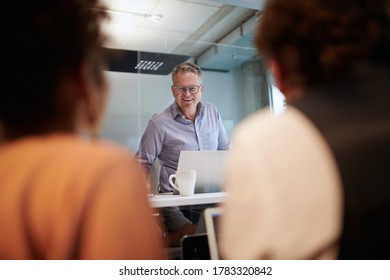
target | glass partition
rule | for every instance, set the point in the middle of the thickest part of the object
(234, 78)
(135, 97)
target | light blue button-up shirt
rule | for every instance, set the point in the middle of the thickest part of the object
(169, 132)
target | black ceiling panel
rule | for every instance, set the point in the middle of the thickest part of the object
(143, 62)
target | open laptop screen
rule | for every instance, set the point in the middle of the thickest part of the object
(209, 166)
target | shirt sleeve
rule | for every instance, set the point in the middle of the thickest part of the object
(223, 137)
(150, 145)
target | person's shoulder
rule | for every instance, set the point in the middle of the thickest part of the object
(92, 150)
(109, 149)
(103, 157)
(264, 123)
(71, 152)
(164, 114)
(210, 107)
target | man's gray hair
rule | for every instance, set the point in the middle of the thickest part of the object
(186, 67)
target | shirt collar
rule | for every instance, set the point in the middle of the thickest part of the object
(178, 115)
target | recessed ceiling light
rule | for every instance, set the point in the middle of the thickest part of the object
(155, 17)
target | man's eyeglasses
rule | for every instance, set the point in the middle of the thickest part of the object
(191, 89)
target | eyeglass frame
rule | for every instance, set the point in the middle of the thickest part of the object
(187, 88)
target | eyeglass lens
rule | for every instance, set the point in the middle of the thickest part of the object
(191, 89)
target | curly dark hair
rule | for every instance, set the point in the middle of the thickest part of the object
(320, 41)
(43, 40)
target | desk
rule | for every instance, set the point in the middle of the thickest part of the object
(168, 200)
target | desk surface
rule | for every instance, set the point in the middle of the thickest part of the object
(168, 200)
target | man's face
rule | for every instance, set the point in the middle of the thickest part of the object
(187, 90)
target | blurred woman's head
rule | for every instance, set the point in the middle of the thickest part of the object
(320, 41)
(52, 61)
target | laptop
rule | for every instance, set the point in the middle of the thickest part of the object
(209, 166)
(211, 217)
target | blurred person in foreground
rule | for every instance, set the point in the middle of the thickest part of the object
(186, 124)
(313, 183)
(64, 196)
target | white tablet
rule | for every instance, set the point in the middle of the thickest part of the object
(211, 216)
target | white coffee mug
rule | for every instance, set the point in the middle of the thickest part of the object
(184, 181)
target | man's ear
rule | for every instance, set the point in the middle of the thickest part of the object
(201, 88)
(173, 90)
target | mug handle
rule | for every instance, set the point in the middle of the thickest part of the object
(171, 181)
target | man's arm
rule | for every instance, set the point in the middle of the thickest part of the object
(150, 146)
(223, 137)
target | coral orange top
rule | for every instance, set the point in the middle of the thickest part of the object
(62, 197)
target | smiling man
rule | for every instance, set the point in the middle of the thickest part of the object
(186, 124)
(187, 89)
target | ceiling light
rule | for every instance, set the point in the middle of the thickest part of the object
(155, 17)
(149, 65)
(152, 17)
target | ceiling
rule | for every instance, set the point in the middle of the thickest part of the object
(215, 34)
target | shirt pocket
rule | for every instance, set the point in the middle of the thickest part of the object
(209, 140)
